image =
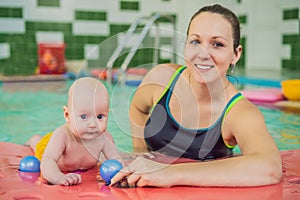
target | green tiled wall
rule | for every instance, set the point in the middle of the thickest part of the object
(52, 3)
(117, 28)
(32, 27)
(243, 19)
(24, 49)
(129, 5)
(11, 12)
(291, 14)
(23, 58)
(89, 15)
(242, 62)
(293, 40)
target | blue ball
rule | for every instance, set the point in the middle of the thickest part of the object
(29, 164)
(109, 169)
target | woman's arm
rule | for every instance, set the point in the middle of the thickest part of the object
(138, 114)
(146, 95)
(259, 164)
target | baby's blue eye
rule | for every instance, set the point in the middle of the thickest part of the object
(84, 116)
(100, 116)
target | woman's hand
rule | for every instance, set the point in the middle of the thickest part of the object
(143, 173)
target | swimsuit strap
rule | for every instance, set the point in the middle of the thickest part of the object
(236, 98)
(174, 77)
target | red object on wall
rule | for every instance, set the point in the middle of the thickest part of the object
(51, 58)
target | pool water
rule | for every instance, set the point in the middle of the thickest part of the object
(37, 108)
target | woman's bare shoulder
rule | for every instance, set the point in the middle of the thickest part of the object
(152, 86)
(243, 115)
(160, 74)
(166, 67)
(243, 109)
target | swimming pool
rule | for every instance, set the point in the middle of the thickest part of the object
(30, 108)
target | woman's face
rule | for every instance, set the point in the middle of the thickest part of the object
(209, 47)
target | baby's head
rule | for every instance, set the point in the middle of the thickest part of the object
(88, 107)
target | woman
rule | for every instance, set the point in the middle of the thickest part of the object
(195, 112)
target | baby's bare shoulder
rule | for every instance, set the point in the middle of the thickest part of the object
(61, 132)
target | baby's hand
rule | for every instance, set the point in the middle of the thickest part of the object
(71, 179)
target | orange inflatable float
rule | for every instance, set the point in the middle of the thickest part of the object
(17, 185)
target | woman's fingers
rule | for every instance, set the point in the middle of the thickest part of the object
(137, 173)
(128, 179)
(121, 176)
(132, 180)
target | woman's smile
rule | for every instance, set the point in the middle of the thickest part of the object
(204, 67)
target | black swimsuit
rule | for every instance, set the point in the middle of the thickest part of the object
(163, 134)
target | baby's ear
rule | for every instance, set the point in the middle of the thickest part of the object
(66, 113)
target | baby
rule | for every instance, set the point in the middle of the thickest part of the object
(79, 143)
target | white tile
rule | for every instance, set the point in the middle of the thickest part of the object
(164, 30)
(64, 13)
(4, 50)
(12, 25)
(290, 27)
(15, 3)
(166, 52)
(286, 52)
(122, 17)
(49, 37)
(95, 5)
(130, 42)
(90, 28)
(91, 52)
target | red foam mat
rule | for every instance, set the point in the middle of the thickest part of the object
(14, 186)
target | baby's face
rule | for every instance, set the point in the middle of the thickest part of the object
(88, 111)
